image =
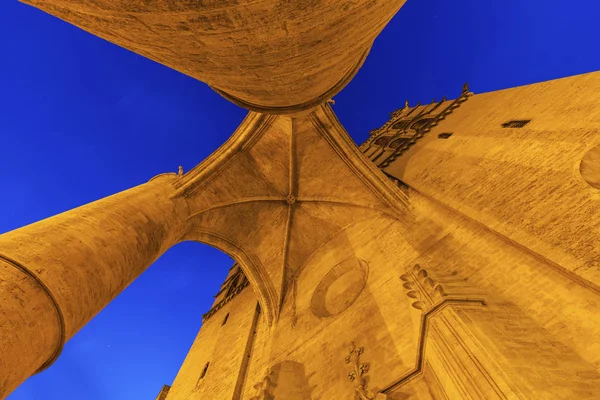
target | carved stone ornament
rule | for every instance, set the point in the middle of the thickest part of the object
(358, 375)
(406, 127)
(465, 90)
(423, 291)
(264, 389)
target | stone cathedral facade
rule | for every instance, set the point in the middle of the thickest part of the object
(453, 255)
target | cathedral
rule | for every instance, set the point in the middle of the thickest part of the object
(453, 255)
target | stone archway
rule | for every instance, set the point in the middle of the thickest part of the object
(270, 196)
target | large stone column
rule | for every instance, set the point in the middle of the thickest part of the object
(58, 273)
(271, 56)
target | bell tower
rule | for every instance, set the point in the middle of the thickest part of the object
(218, 361)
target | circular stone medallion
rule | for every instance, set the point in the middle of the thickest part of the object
(590, 167)
(340, 287)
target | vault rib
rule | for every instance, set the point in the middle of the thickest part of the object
(290, 214)
(254, 269)
(292, 172)
(388, 202)
(330, 129)
(245, 136)
(239, 201)
(286, 246)
(389, 213)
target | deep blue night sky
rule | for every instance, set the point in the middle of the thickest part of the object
(82, 119)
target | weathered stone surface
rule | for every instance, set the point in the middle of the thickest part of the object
(531, 325)
(525, 183)
(271, 56)
(472, 273)
(72, 265)
(237, 200)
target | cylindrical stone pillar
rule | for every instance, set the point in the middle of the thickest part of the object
(272, 56)
(58, 273)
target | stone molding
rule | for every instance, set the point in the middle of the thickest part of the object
(422, 289)
(425, 320)
(332, 130)
(162, 175)
(428, 296)
(59, 314)
(198, 178)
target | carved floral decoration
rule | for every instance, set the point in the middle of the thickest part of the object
(358, 375)
(424, 292)
(264, 389)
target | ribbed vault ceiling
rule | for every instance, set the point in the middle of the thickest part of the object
(278, 190)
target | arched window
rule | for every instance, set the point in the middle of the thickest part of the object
(420, 124)
(204, 370)
(381, 141)
(225, 319)
(401, 124)
(399, 142)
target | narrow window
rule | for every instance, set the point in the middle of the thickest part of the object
(225, 319)
(516, 123)
(444, 135)
(204, 370)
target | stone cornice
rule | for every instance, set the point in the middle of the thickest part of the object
(425, 321)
